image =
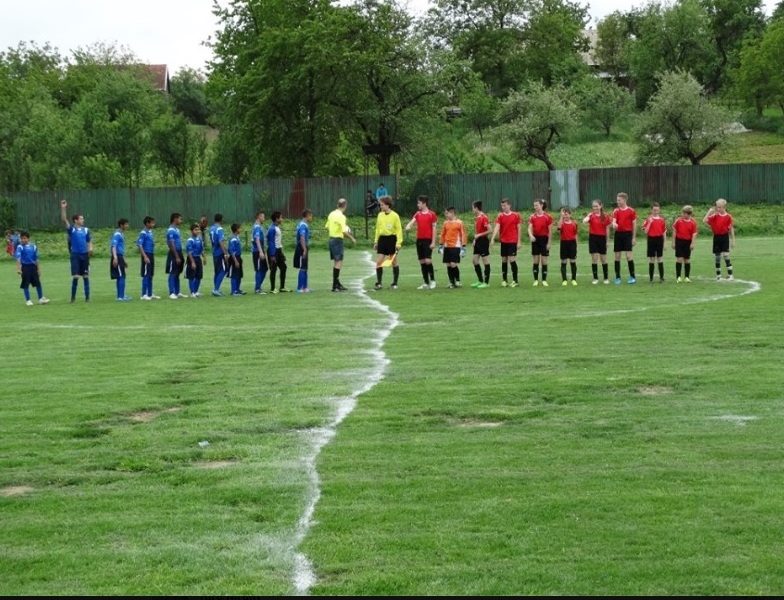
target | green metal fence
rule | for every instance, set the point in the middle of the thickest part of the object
(740, 184)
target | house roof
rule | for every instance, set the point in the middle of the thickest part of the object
(159, 76)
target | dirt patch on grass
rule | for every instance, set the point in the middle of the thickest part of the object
(215, 464)
(654, 390)
(471, 424)
(15, 490)
(145, 416)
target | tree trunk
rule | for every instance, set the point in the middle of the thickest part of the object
(384, 161)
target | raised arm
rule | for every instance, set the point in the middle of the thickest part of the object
(63, 215)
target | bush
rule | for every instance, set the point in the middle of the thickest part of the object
(7, 213)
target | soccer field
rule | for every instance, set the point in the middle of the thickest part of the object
(590, 440)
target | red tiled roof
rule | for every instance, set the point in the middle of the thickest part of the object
(159, 76)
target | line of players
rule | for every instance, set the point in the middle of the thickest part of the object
(453, 242)
(508, 229)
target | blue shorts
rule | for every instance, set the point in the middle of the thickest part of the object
(336, 248)
(80, 265)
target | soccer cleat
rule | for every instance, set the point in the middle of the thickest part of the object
(606, 282)
(303, 291)
(482, 286)
(393, 286)
(236, 294)
(536, 283)
(197, 295)
(458, 284)
(285, 290)
(433, 285)
(574, 282)
(145, 297)
(217, 293)
(29, 303)
(545, 284)
(595, 282)
(154, 297)
(686, 280)
(173, 296)
(424, 286)
(274, 291)
(718, 277)
(451, 286)
(565, 283)
(475, 284)
(730, 278)
(179, 295)
(43, 300)
(631, 280)
(514, 284)
(504, 283)
(377, 286)
(342, 288)
(617, 281)
(679, 280)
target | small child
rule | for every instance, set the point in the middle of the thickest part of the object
(118, 267)
(722, 225)
(302, 237)
(277, 259)
(27, 266)
(539, 232)
(235, 260)
(146, 244)
(481, 245)
(568, 230)
(453, 240)
(684, 234)
(598, 232)
(194, 269)
(624, 221)
(655, 227)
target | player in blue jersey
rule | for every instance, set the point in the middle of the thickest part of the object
(194, 270)
(27, 266)
(80, 247)
(220, 254)
(235, 260)
(175, 262)
(302, 237)
(117, 265)
(277, 259)
(260, 265)
(146, 244)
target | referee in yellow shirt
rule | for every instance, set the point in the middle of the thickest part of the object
(337, 228)
(389, 238)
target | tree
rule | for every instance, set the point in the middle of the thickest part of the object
(759, 78)
(603, 103)
(536, 119)
(612, 46)
(681, 122)
(188, 95)
(176, 147)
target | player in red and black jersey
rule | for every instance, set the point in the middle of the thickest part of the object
(508, 225)
(655, 227)
(625, 224)
(539, 231)
(425, 220)
(568, 230)
(598, 231)
(684, 232)
(723, 228)
(481, 245)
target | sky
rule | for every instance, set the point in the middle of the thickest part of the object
(169, 32)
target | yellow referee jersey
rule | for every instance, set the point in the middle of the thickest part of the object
(336, 224)
(389, 224)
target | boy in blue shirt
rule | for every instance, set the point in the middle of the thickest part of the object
(302, 237)
(146, 244)
(235, 260)
(194, 271)
(117, 265)
(27, 266)
(174, 260)
(220, 256)
(80, 247)
(277, 260)
(260, 265)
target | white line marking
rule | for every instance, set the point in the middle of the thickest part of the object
(751, 287)
(304, 576)
(739, 420)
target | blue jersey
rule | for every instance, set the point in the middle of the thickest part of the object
(78, 239)
(235, 246)
(146, 241)
(216, 237)
(303, 233)
(274, 240)
(257, 234)
(27, 254)
(173, 235)
(194, 246)
(118, 242)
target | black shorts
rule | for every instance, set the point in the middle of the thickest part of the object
(147, 269)
(387, 245)
(539, 247)
(171, 264)
(721, 243)
(508, 249)
(656, 246)
(568, 249)
(482, 246)
(30, 276)
(278, 259)
(336, 248)
(451, 255)
(259, 264)
(423, 249)
(219, 264)
(682, 248)
(300, 261)
(234, 271)
(80, 265)
(623, 241)
(197, 272)
(597, 244)
(118, 271)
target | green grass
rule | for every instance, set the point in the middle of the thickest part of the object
(559, 441)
